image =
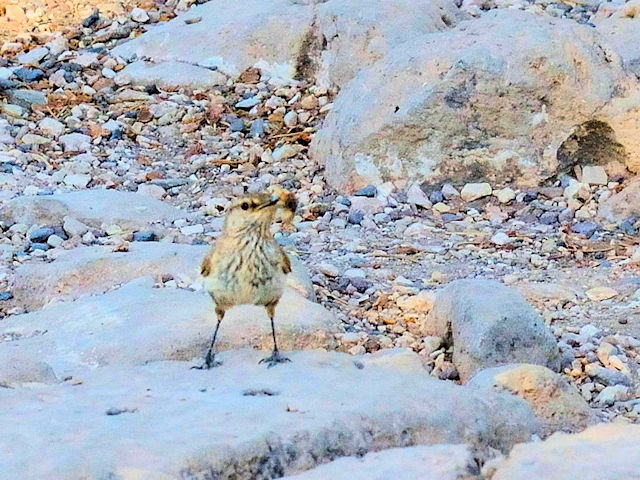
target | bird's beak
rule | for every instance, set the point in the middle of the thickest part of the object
(272, 201)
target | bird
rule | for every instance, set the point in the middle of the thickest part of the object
(245, 265)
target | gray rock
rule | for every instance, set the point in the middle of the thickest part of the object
(248, 103)
(144, 236)
(5, 74)
(55, 241)
(34, 56)
(501, 238)
(73, 227)
(612, 394)
(92, 207)
(490, 325)
(251, 421)
(566, 216)
(549, 218)
(51, 126)
(29, 74)
(368, 191)
(236, 124)
(436, 462)
(601, 452)
(291, 119)
(75, 142)
(436, 196)
(26, 98)
(257, 128)
(594, 175)
(589, 332)
(449, 191)
(355, 217)
(415, 196)
(85, 59)
(585, 228)
(607, 376)
(40, 235)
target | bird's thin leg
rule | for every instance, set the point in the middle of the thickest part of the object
(210, 359)
(275, 357)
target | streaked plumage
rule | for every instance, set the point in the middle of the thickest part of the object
(246, 265)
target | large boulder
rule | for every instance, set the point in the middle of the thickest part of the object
(361, 32)
(241, 420)
(433, 462)
(622, 115)
(490, 325)
(137, 324)
(557, 404)
(328, 41)
(602, 452)
(621, 31)
(493, 99)
(96, 269)
(230, 36)
(95, 208)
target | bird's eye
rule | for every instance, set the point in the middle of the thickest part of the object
(244, 206)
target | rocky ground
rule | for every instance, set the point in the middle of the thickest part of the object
(115, 174)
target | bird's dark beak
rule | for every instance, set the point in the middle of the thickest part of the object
(272, 201)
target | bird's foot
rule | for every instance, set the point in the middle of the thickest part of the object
(274, 359)
(209, 363)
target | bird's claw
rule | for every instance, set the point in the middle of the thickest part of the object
(274, 359)
(209, 363)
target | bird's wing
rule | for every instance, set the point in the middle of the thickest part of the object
(205, 267)
(286, 263)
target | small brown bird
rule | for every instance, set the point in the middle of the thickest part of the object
(246, 265)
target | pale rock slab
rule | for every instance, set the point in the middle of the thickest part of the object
(137, 324)
(95, 269)
(92, 207)
(435, 462)
(170, 74)
(327, 41)
(610, 451)
(251, 421)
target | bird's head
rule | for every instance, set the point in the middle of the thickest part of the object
(256, 211)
